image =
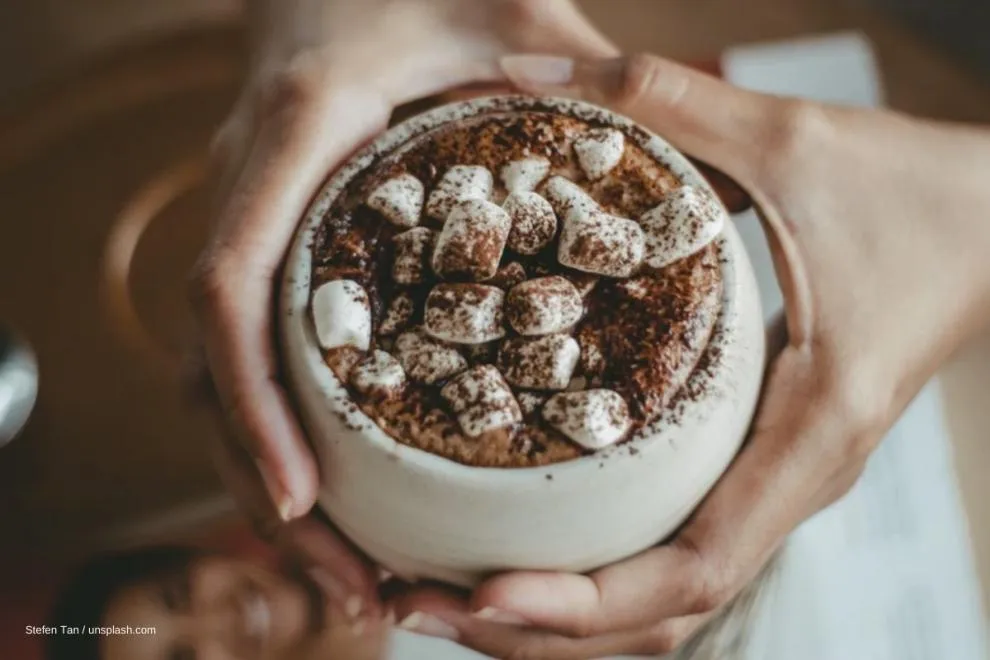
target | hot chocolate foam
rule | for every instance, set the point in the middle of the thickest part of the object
(551, 295)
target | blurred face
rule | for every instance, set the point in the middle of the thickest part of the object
(217, 608)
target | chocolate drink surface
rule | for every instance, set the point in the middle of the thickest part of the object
(517, 289)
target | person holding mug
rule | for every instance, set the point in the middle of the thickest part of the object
(876, 225)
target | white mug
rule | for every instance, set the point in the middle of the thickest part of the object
(422, 516)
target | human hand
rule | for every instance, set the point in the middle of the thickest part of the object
(324, 78)
(877, 225)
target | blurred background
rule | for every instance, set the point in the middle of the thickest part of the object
(106, 107)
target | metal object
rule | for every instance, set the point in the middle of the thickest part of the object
(18, 385)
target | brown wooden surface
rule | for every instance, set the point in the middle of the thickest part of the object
(111, 441)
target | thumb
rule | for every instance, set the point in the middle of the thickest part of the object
(725, 126)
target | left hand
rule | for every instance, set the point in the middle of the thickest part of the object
(324, 78)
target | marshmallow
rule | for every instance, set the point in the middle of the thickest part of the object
(593, 419)
(482, 401)
(567, 197)
(398, 316)
(426, 360)
(509, 276)
(544, 363)
(684, 223)
(342, 315)
(599, 151)
(380, 375)
(534, 223)
(400, 200)
(531, 402)
(412, 255)
(460, 183)
(524, 175)
(471, 243)
(602, 244)
(465, 313)
(543, 306)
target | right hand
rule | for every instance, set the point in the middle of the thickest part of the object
(324, 78)
(879, 227)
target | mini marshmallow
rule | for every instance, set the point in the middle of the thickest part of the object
(602, 244)
(543, 306)
(465, 313)
(400, 200)
(544, 363)
(509, 276)
(482, 401)
(426, 360)
(412, 255)
(342, 315)
(599, 151)
(567, 198)
(534, 224)
(472, 241)
(531, 402)
(459, 183)
(398, 316)
(379, 375)
(594, 419)
(684, 223)
(524, 175)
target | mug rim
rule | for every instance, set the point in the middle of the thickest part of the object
(298, 332)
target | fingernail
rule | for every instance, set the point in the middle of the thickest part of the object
(538, 70)
(353, 607)
(282, 501)
(498, 616)
(429, 625)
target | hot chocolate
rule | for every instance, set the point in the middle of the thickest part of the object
(535, 284)
(517, 289)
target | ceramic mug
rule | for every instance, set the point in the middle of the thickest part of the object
(422, 516)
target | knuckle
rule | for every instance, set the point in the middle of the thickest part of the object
(523, 13)
(664, 640)
(208, 284)
(639, 75)
(291, 87)
(794, 129)
(708, 588)
(863, 411)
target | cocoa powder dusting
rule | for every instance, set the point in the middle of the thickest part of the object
(649, 343)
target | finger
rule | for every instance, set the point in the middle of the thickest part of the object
(300, 140)
(724, 126)
(787, 472)
(443, 613)
(334, 564)
(241, 478)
